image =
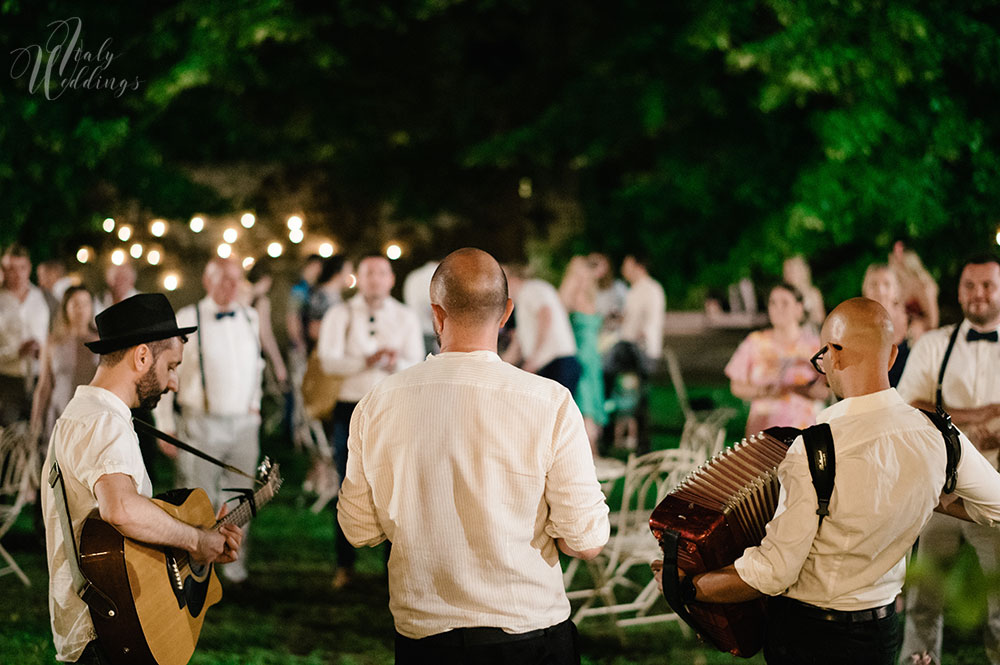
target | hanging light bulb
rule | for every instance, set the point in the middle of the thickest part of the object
(230, 235)
(296, 236)
(158, 227)
(118, 257)
(294, 222)
(274, 250)
(326, 250)
(83, 254)
(124, 233)
(135, 250)
(171, 281)
(224, 250)
(248, 220)
(393, 252)
(197, 224)
(109, 225)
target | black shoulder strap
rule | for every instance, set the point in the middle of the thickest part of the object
(822, 464)
(952, 445)
(938, 401)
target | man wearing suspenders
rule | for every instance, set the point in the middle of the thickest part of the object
(960, 366)
(219, 392)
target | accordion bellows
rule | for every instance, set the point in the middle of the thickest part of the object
(714, 514)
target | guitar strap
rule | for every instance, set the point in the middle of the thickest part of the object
(146, 428)
(91, 595)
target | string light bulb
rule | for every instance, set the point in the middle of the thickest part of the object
(135, 250)
(296, 236)
(118, 257)
(326, 250)
(248, 220)
(171, 281)
(230, 235)
(83, 254)
(294, 222)
(197, 224)
(158, 228)
(124, 232)
(109, 225)
(225, 250)
(153, 257)
(393, 252)
(274, 250)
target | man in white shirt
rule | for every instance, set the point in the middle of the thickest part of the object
(18, 378)
(637, 353)
(98, 454)
(970, 392)
(478, 473)
(645, 309)
(543, 341)
(219, 392)
(833, 585)
(365, 339)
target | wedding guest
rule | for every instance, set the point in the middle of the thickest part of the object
(796, 272)
(771, 367)
(121, 285)
(34, 314)
(298, 301)
(65, 362)
(918, 290)
(53, 282)
(578, 293)
(333, 280)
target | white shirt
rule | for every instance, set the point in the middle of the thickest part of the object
(233, 363)
(92, 438)
(971, 380)
(642, 320)
(890, 469)
(559, 342)
(417, 295)
(11, 335)
(352, 331)
(471, 468)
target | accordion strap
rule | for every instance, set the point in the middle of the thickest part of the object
(671, 585)
(952, 445)
(822, 464)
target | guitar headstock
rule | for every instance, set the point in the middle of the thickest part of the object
(269, 475)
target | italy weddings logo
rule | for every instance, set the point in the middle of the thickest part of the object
(64, 63)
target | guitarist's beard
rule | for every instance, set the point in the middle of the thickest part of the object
(148, 389)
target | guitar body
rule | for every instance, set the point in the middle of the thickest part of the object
(160, 600)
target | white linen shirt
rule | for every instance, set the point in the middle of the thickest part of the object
(471, 468)
(234, 367)
(11, 335)
(92, 438)
(352, 331)
(536, 294)
(643, 318)
(890, 469)
(971, 380)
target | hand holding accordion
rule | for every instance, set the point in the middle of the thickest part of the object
(709, 520)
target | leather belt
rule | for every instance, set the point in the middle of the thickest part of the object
(482, 636)
(840, 616)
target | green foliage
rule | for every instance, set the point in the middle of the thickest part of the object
(717, 136)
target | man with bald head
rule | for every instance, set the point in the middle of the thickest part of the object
(479, 474)
(833, 585)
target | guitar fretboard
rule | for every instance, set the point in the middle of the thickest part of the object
(242, 513)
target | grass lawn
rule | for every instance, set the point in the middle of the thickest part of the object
(288, 614)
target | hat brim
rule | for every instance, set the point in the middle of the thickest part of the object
(110, 344)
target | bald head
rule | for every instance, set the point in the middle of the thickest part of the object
(859, 334)
(470, 287)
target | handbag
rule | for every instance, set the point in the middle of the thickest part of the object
(319, 389)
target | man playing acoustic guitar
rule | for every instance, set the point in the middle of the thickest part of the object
(97, 451)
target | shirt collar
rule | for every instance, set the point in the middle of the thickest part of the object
(853, 406)
(106, 397)
(211, 307)
(482, 354)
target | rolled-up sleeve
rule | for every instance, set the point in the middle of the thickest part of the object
(774, 565)
(978, 484)
(355, 505)
(578, 512)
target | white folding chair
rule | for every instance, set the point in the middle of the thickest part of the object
(648, 478)
(717, 416)
(17, 468)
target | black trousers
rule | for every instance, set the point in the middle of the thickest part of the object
(556, 645)
(795, 636)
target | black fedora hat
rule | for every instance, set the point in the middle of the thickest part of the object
(146, 317)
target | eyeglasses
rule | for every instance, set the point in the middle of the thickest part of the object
(817, 359)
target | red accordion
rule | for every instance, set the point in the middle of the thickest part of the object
(707, 522)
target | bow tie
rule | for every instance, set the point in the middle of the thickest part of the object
(975, 336)
(222, 315)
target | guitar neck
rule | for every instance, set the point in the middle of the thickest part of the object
(243, 513)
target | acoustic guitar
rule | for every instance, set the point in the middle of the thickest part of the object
(153, 599)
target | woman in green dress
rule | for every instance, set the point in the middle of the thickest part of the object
(578, 292)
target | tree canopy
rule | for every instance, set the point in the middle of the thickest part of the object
(717, 137)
